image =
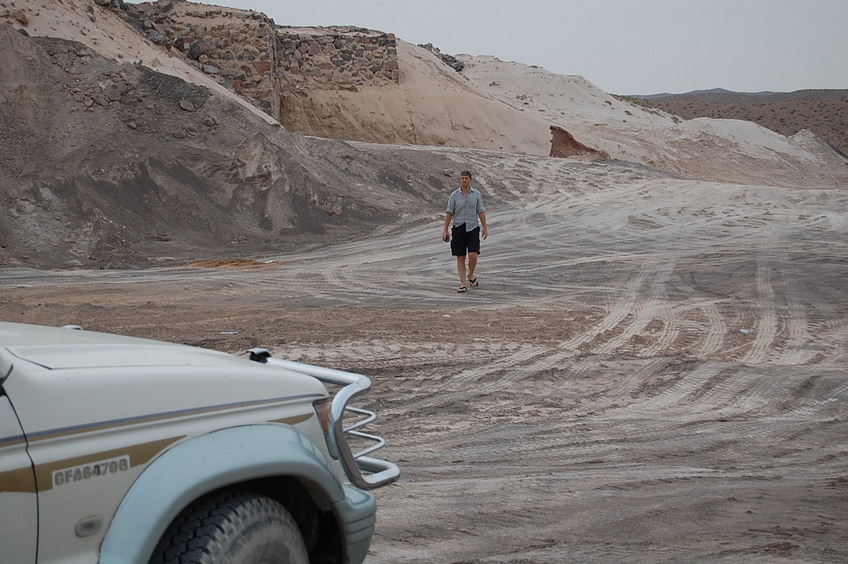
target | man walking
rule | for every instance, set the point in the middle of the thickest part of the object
(465, 216)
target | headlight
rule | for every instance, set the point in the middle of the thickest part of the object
(322, 409)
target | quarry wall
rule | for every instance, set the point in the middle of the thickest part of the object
(248, 53)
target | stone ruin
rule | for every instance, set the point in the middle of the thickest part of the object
(267, 64)
(262, 62)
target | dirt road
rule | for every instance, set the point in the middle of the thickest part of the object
(651, 370)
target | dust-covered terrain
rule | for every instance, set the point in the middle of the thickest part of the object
(651, 369)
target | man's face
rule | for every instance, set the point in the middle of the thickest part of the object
(465, 181)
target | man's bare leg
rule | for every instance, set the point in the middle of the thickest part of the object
(472, 265)
(460, 269)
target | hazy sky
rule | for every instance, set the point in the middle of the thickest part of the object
(622, 46)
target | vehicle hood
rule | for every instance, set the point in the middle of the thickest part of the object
(58, 377)
(57, 348)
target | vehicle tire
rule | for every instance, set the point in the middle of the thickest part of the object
(232, 528)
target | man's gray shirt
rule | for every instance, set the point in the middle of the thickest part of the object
(465, 208)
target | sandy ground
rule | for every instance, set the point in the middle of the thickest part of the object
(652, 369)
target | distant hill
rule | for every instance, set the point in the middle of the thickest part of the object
(824, 112)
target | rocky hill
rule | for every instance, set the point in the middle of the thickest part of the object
(122, 165)
(163, 132)
(824, 112)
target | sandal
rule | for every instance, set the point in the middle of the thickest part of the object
(474, 283)
(462, 289)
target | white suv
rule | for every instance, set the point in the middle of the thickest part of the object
(117, 449)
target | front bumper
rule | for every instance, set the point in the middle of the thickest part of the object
(357, 514)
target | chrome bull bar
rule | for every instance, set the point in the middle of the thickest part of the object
(362, 470)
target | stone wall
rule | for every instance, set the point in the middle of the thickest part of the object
(237, 48)
(248, 53)
(336, 57)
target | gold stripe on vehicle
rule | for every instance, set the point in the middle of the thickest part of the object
(17, 480)
(293, 420)
(20, 479)
(159, 417)
(139, 454)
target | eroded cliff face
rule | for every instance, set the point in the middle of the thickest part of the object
(564, 145)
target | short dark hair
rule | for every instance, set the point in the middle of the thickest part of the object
(466, 173)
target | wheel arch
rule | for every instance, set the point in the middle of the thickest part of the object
(254, 455)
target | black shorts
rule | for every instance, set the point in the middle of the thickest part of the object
(464, 242)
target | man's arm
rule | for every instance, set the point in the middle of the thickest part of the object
(446, 232)
(485, 230)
